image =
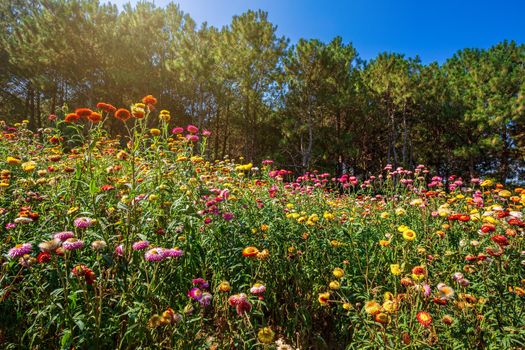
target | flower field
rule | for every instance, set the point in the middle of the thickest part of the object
(141, 241)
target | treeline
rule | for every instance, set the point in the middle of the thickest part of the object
(311, 104)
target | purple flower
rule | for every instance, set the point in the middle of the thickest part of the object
(72, 244)
(206, 299)
(19, 250)
(62, 236)
(83, 222)
(195, 293)
(154, 254)
(140, 245)
(10, 225)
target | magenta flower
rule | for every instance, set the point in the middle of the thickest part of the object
(172, 253)
(195, 293)
(177, 130)
(192, 138)
(155, 254)
(62, 236)
(192, 129)
(120, 250)
(72, 244)
(19, 250)
(83, 222)
(140, 245)
(206, 133)
(227, 216)
(201, 282)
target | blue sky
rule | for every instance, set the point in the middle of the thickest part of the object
(433, 29)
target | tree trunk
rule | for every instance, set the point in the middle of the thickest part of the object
(226, 131)
(338, 128)
(53, 101)
(248, 124)
(404, 151)
(504, 158)
(307, 154)
(38, 114)
(392, 143)
(216, 134)
(32, 123)
(28, 99)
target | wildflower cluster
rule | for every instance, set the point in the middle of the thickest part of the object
(143, 241)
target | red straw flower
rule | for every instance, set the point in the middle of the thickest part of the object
(122, 114)
(83, 112)
(424, 318)
(71, 118)
(149, 100)
(106, 107)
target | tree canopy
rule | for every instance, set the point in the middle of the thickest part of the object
(306, 105)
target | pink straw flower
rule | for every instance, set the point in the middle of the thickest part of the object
(192, 129)
(83, 222)
(177, 130)
(119, 250)
(19, 250)
(192, 138)
(62, 236)
(140, 245)
(172, 253)
(72, 244)
(195, 293)
(206, 299)
(227, 216)
(154, 254)
(258, 288)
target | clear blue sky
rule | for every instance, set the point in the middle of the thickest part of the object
(434, 29)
